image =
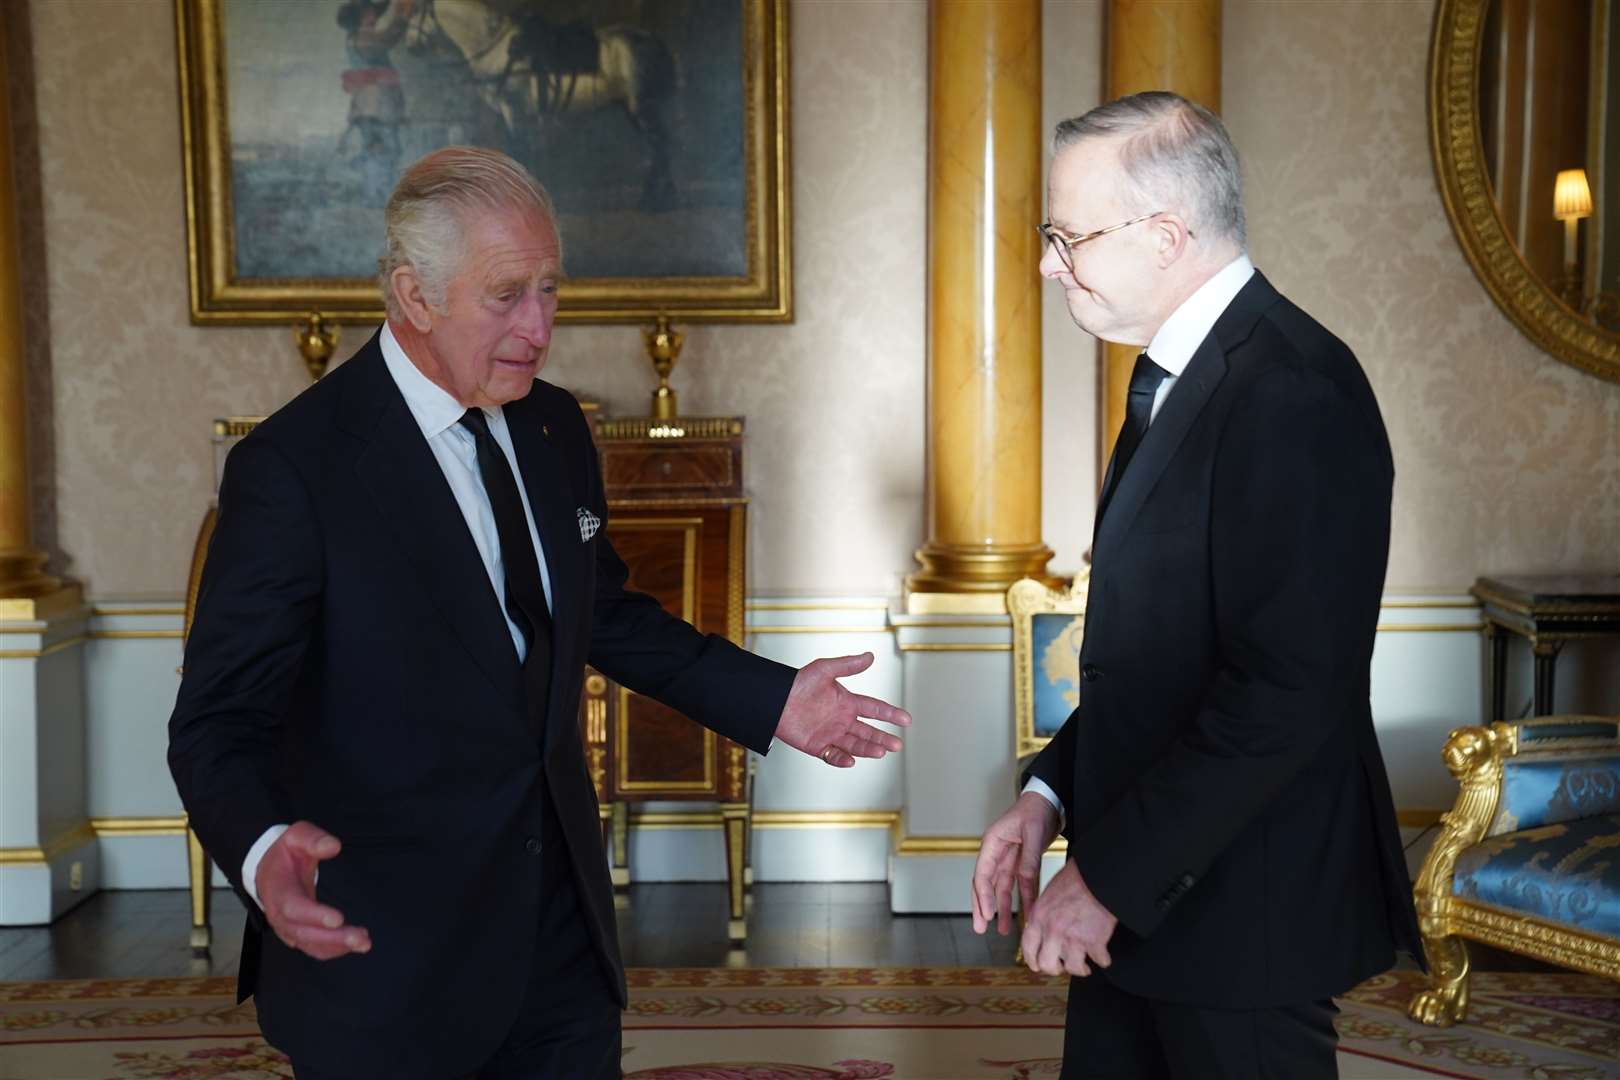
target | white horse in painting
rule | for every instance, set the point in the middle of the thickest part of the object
(533, 71)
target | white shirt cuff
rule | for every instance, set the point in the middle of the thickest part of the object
(1044, 790)
(255, 855)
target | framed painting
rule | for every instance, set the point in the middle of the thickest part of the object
(1048, 627)
(658, 126)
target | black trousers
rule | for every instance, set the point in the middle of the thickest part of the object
(1113, 1035)
(569, 1023)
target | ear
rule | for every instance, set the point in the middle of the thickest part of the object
(1170, 235)
(408, 294)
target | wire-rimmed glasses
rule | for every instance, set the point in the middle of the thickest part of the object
(1066, 244)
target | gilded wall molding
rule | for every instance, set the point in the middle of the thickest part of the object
(65, 841)
(1459, 165)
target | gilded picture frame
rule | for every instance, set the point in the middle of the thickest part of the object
(1047, 628)
(296, 120)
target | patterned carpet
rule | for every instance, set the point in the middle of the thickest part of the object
(822, 1024)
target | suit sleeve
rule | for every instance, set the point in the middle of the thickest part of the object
(638, 644)
(256, 610)
(1054, 767)
(1299, 537)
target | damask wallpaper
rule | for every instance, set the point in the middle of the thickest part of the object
(1507, 460)
(834, 402)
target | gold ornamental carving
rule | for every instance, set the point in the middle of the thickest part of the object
(1476, 756)
(599, 772)
(1459, 165)
(316, 340)
(736, 771)
(663, 343)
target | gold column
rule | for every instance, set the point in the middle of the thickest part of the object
(24, 586)
(984, 315)
(1153, 45)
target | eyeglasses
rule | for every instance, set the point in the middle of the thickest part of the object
(1066, 244)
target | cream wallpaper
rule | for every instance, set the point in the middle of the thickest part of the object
(834, 402)
(1508, 460)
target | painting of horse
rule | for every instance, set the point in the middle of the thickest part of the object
(639, 116)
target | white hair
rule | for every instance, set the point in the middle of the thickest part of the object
(1176, 155)
(427, 215)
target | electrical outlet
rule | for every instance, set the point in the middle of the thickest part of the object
(76, 876)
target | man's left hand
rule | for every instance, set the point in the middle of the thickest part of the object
(1067, 926)
(823, 719)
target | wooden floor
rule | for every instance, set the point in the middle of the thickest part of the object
(130, 934)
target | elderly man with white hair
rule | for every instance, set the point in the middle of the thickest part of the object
(376, 733)
(1233, 859)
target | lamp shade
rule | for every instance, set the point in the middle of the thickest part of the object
(1572, 198)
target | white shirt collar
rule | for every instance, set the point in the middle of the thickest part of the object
(1173, 346)
(433, 408)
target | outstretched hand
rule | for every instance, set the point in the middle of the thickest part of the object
(823, 719)
(285, 882)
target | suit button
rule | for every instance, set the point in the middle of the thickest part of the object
(532, 846)
(1091, 673)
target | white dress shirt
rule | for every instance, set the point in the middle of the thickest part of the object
(1172, 349)
(438, 415)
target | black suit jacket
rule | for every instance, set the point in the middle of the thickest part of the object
(349, 664)
(1225, 794)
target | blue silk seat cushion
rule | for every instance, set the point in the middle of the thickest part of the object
(1547, 790)
(1566, 873)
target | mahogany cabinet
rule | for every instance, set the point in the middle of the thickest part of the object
(678, 518)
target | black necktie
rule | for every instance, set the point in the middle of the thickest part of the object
(1145, 379)
(525, 596)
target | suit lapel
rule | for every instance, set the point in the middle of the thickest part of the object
(1181, 408)
(1165, 434)
(410, 493)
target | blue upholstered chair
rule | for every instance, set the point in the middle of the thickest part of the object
(1529, 858)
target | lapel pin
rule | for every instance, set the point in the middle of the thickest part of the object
(588, 524)
(545, 429)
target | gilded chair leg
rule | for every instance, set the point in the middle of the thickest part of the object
(202, 933)
(1445, 1002)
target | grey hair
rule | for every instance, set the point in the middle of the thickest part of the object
(426, 218)
(1176, 156)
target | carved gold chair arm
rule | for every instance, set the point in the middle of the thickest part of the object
(1482, 759)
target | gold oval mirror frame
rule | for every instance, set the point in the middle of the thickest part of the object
(1459, 165)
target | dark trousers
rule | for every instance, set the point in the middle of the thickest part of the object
(1112, 1035)
(569, 1023)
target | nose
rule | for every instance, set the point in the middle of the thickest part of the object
(538, 312)
(1052, 263)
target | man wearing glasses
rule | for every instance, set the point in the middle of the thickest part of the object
(1233, 857)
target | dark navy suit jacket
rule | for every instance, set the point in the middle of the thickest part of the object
(349, 664)
(1225, 794)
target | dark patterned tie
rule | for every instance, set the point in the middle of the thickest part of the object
(525, 596)
(1145, 379)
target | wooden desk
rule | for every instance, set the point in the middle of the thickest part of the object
(678, 518)
(1548, 611)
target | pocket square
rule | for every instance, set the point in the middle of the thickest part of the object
(588, 524)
